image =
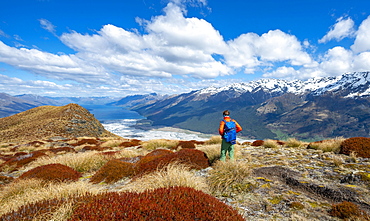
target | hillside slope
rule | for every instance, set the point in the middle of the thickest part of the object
(67, 121)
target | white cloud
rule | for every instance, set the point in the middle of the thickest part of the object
(342, 29)
(337, 61)
(174, 45)
(250, 50)
(2, 33)
(362, 42)
(47, 25)
(279, 46)
(362, 62)
(282, 72)
(62, 67)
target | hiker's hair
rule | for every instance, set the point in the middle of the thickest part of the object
(226, 112)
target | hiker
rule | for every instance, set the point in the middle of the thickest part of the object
(228, 129)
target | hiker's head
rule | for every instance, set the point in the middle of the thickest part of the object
(226, 113)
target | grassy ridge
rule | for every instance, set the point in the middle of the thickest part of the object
(254, 184)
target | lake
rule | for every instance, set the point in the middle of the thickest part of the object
(120, 121)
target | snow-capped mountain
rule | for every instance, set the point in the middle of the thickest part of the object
(356, 84)
(268, 108)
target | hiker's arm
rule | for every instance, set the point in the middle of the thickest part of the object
(221, 128)
(238, 127)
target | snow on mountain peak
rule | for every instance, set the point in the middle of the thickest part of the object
(358, 82)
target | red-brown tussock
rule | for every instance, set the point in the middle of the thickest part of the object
(359, 145)
(174, 203)
(113, 171)
(52, 173)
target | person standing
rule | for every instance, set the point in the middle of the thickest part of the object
(228, 130)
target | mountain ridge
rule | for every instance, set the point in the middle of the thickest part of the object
(265, 107)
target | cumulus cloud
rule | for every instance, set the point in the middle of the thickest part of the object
(362, 41)
(16, 86)
(362, 62)
(337, 60)
(62, 67)
(342, 29)
(251, 50)
(174, 45)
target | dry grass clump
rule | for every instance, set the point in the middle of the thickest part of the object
(159, 143)
(22, 192)
(127, 153)
(212, 151)
(227, 176)
(82, 162)
(174, 174)
(292, 142)
(269, 143)
(332, 145)
(52, 209)
(112, 142)
(213, 140)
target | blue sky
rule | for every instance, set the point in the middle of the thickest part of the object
(119, 48)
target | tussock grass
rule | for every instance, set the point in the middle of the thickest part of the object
(268, 143)
(332, 145)
(213, 151)
(172, 175)
(159, 143)
(292, 142)
(22, 192)
(213, 140)
(130, 153)
(338, 160)
(81, 162)
(113, 142)
(63, 213)
(226, 174)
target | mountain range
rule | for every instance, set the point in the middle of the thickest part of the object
(315, 109)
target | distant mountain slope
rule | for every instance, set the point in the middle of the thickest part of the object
(84, 100)
(272, 108)
(10, 105)
(68, 121)
(39, 100)
(138, 99)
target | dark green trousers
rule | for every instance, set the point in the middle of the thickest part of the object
(226, 147)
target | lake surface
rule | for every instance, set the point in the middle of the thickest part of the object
(120, 121)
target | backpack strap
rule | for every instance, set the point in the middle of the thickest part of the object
(229, 129)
